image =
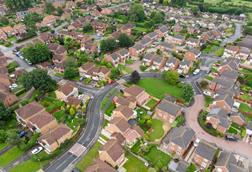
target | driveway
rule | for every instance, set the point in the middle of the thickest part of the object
(192, 113)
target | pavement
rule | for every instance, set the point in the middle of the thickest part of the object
(191, 115)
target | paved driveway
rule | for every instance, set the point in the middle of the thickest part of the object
(191, 114)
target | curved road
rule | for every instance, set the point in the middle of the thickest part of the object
(192, 113)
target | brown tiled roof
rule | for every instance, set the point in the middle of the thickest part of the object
(100, 166)
(119, 137)
(56, 134)
(121, 123)
(29, 110)
(134, 90)
(114, 149)
(67, 88)
(73, 101)
(125, 111)
(4, 79)
(87, 66)
(41, 119)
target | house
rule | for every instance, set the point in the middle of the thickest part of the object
(231, 50)
(46, 37)
(171, 64)
(3, 35)
(136, 50)
(204, 154)
(229, 64)
(177, 28)
(48, 21)
(127, 28)
(152, 35)
(101, 166)
(100, 73)
(122, 101)
(167, 111)
(7, 98)
(162, 31)
(218, 118)
(238, 118)
(244, 53)
(146, 41)
(138, 93)
(83, 70)
(8, 30)
(42, 122)
(112, 153)
(19, 29)
(148, 59)
(185, 66)
(180, 166)
(178, 141)
(166, 47)
(224, 101)
(221, 83)
(192, 54)
(249, 128)
(177, 39)
(124, 112)
(158, 62)
(192, 43)
(24, 113)
(114, 58)
(66, 90)
(53, 139)
(228, 162)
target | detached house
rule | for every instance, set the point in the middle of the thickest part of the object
(66, 90)
(224, 101)
(162, 31)
(178, 141)
(138, 93)
(184, 66)
(136, 50)
(85, 68)
(127, 28)
(148, 59)
(112, 153)
(204, 154)
(229, 64)
(192, 54)
(167, 111)
(171, 64)
(124, 112)
(158, 62)
(100, 166)
(122, 101)
(219, 120)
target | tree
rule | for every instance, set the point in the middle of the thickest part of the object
(37, 53)
(187, 92)
(71, 73)
(136, 13)
(71, 44)
(13, 137)
(4, 21)
(157, 17)
(3, 136)
(72, 111)
(31, 19)
(39, 79)
(87, 28)
(125, 40)
(203, 84)
(171, 77)
(17, 5)
(115, 73)
(59, 11)
(108, 45)
(49, 8)
(177, 3)
(135, 77)
(5, 114)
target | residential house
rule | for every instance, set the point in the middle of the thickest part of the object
(48, 21)
(166, 47)
(8, 30)
(228, 162)
(24, 113)
(118, 57)
(42, 122)
(204, 154)
(249, 128)
(219, 119)
(53, 139)
(152, 35)
(46, 37)
(83, 70)
(19, 30)
(162, 31)
(224, 101)
(177, 39)
(229, 64)
(180, 166)
(178, 141)
(158, 62)
(7, 98)
(238, 118)
(231, 51)
(127, 28)
(221, 83)
(167, 111)
(66, 90)
(138, 93)
(192, 54)
(193, 43)
(124, 112)
(244, 53)
(148, 59)
(185, 66)
(136, 50)
(3, 36)
(171, 64)
(101, 166)
(146, 41)
(177, 28)
(122, 101)
(112, 153)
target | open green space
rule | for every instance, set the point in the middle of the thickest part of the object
(159, 88)
(208, 100)
(157, 130)
(245, 108)
(90, 157)
(157, 158)
(110, 109)
(134, 165)
(9, 156)
(29, 166)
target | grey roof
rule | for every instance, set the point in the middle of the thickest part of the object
(138, 46)
(167, 46)
(157, 58)
(149, 56)
(224, 82)
(145, 41)
(179, 37)
(182, 166)
(171, 60)
(245, 50)
(228, 160)
(115, 56)
(185, 62)
(181, 136)
(221, 115)
(232, 62)
(164, 29)
(227, 98)
(169, 107)
(152, 34)
(206, 150)
(123, 51)
(249, 125)
(230, 74)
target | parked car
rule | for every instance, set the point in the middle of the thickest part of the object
(22, 134)
(37, 150)
(207, 93)
(196, 142)
(231, 138)
(196, 72)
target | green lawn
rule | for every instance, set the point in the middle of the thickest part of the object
(51, 103)
(157, 130)
(208, 100)
(157, 158)
(9, 156)
(110, 109)
(134, 165)
(159, 88)
(28, 166)
(245, 108)
(151, 103)
(90, 157)
(3, 145)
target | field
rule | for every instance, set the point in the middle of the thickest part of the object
(134, 165)
(159, 88)
(238, 3)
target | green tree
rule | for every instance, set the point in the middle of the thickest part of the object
(3, 136)
(5, 113)
(4, 21)
(49, 8)
(87, 28)
(136, 13)
(59, 11)
(39, 79)
(187, 92)
(37, 53)
(135, 77)
(13, 137)
(115, 73)
(178, 3)
(71, 44)
(31, 19)
(157, 17)
(108, 45)
(171, 77)
(72, 111)
(71, 70)
(17, 5)
(125, 40)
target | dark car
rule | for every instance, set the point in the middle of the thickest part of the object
(231, 138)
(22, 134)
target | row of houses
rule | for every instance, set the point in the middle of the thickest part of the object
(240, 52)
(7, 31)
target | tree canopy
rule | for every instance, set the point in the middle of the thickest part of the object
(31, 19)
(187, 92)
(37, 53)
(136, 12)
(135, 77)
(87, 28)
(108, 45)
(39, 79)
(5, 113)
(171, 77)
(71, 70)
(125, 40)
(157, 17)
(17, 5)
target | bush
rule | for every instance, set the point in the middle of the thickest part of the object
(26, 146)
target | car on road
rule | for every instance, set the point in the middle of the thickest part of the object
(206, 93)
(231, 138)
(37, 150)
(196, 72)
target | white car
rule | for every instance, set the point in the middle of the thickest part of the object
(196, 142)
(196, 71)
(207, 93)
(37, 150)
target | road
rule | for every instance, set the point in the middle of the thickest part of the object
(191, 115)
(235, 36)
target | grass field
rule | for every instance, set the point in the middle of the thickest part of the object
(28, 166)
(9, 156)
(157, 130)
(159, 88)
(90, 157)
(134, 165)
